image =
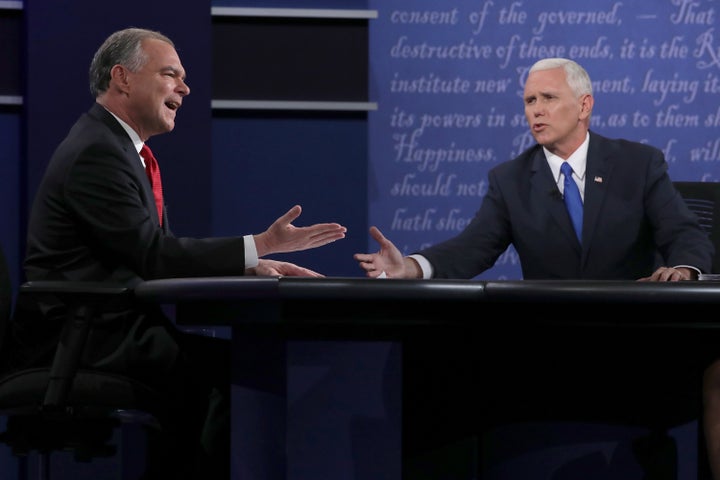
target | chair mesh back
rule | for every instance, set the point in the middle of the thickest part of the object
(705, 211)
(703, 199)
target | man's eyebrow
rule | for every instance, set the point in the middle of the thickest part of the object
(177, 71)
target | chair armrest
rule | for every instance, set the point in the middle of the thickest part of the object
(78, 290)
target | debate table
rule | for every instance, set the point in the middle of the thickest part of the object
(368, 378)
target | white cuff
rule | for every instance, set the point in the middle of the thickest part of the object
(251, 256)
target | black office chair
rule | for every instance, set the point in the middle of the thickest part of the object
(64, 407)
(703, 198)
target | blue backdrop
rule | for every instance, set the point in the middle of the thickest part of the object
(448, 78)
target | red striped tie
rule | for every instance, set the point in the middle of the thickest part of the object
(153, 172)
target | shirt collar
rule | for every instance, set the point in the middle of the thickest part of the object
(131, 133)
(577, 160)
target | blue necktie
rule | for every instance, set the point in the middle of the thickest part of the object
(573, 202)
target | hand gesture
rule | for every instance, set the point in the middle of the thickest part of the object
(388, 259)
(282, 236)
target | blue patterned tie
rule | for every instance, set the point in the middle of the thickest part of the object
(573, 202)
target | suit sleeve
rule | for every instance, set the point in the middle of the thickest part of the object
(479, 245)
(106, 196)
(679, 237)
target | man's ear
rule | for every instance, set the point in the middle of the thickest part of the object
(586, 105)
(119, 78)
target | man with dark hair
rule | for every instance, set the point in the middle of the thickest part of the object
(97, 217)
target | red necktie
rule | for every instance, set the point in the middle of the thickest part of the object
(153, 172)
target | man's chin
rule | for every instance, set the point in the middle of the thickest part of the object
(542, 139)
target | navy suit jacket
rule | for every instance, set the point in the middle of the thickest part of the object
(632, 212)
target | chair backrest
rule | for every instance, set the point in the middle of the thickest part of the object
(63, 407)
(703, 199)
(6, 297)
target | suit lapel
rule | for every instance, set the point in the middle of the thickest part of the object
(546, 194)
(597, 177)
(131, 156)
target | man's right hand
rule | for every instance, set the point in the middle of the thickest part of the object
(388, 259)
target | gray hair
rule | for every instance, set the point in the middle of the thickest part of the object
(123, 47)
(577, 78)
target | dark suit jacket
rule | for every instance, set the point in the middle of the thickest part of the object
(94, 219)
(631, 212)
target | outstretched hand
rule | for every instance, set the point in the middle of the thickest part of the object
(388, 259)
(282, 236)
